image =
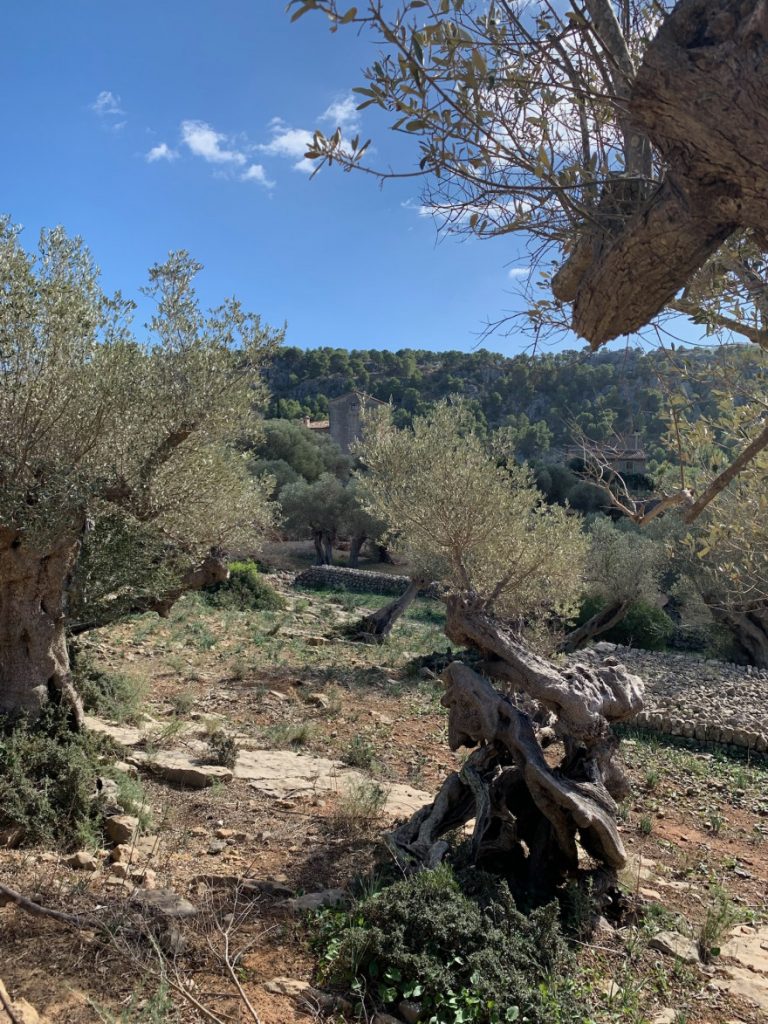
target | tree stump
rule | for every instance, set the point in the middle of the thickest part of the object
(530, 815)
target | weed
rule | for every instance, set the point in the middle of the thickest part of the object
(222, 749)
(578, 909)
(360, 803)
(288, 734)
(200, 636)
(140, 1010)
(645, 825)
(721, 915)
(182, 704)
(245, 590)
(130, 796)
(167, 735)
(112, 695)
(652, 778)
(360, 752)
(716, 822)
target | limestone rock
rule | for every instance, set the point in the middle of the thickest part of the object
(126, 736)
(749, 977)
(140, 849)
(674, 944)
(748, 946)
(165, 902)
(317, 641)
(314, 900)
(665, 1016)
(175, 766)
(121, 828)
(284, 773)
(82, 861)
(744, 983)
(409, 1010)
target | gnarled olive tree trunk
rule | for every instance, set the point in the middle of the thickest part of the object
(529, 813)
(377, 626)
(701, 96)
(749, 627)
(599, 623)
(34, 665)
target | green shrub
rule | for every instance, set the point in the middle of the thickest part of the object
(456, 944)
(644, 625)
(245, 590)
(48, 780)
(112, 695)
(360, 752)
(222, 749)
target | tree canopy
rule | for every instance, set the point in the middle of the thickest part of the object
(481, 527)
(104, 437)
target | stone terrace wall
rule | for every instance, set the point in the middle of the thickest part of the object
(361, 581)
(696, 698)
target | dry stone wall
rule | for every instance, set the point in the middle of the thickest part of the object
(361, 581)
(696, 698)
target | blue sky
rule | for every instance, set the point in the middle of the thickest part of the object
(147, 126)
(89, 89)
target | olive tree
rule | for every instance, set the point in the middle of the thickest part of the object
(504, 557)
(723, 564)
(329, 510)
(623, 566)
(120, 446)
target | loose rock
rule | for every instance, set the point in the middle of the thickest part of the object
(121, 828)
(674, 944)
(82, 861)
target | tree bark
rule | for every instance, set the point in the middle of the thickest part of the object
(317, 540)
(701, 96)
(323, 542)
(34, 663)
(594, 626)
(377, 626)
(750, 629)
(528, 815)
(383, 555)
(355, 546)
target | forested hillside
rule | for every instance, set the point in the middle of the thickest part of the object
(538, 397)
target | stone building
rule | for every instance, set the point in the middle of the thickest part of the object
(628, 455)
(345, 415)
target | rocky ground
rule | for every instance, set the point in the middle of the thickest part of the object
(698, 698)
(336, 741)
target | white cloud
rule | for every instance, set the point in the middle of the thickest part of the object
(257, 173)
(517, 272)
(289, 142)
(205, 142)
(421, 210)
(161, 152)
(107, 104)
(343, 114)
